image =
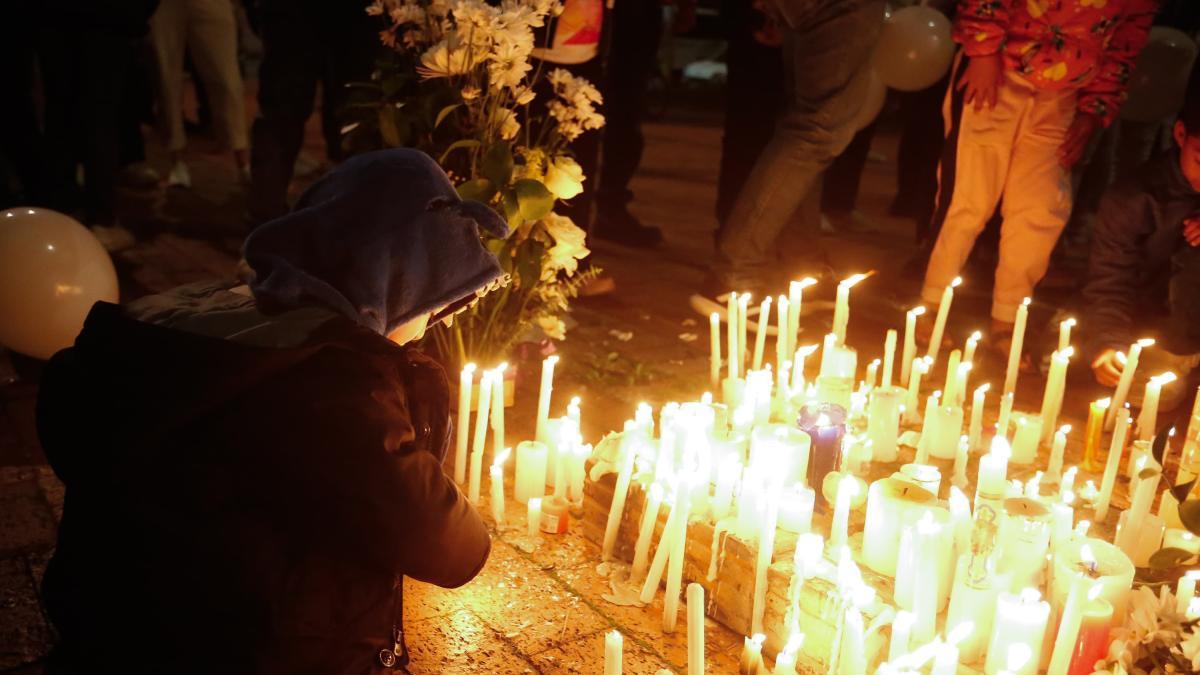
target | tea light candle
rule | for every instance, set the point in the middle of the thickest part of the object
(666, 547)
(1148, 418)
(714, 358)
(481, 426)
(1057, 448)
(760, 336)
(641, 549)
(614, 646)
(1020, 622)
(939, 323)
(466, 380)
(496, 473)
(1025, 440)
(626, 455)
(695, 629)
(1093, 433)
(883, 422)
(841, 308)
(1120, 432)
(1126, 381)
(975, 429)
(909, 351)
(889, 357)
(533, 517)
(1014, 350)
(530, 478)
(544, 394)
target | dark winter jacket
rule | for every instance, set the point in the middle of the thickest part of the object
(245, 492)
(1137, 250)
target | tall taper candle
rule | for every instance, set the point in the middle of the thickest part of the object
(695, 629)
(1056, 382)
(466, 381)
(939, 323)
(919, 366)
(795, 298)
(1126, 381)
(743, 327)
(614, 646)
(641, 549)
(889, 357)
(783, 345)
(626, 456)
(496, 473)
(543, 409)
(714, 370)
(533, 517)
(481, 427)
(1120, 432)
(972, 344)
(1064, 333)
(731, 319)
(1148, 416)
(678, 546)
(1014, 350)
(975, 429)
(910, 341)
(760, 336)
(1094, 432)
(1057, 448)
(498, 409)
(951, 378)
(841, 309)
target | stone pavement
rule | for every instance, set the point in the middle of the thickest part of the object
(528, 612)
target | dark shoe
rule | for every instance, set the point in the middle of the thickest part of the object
(621, 227)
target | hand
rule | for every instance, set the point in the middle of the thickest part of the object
(981, 81)
(1078, 135)
(1108, 367)
(1191, 230)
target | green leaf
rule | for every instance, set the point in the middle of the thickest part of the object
(529, 265)
(1189, 515)
(456, 145)
(389, 130)
(1181, 491)
(533, 199)
(478, 189)
(497, 164)
(512, 211)
(1167, 558)
(1160, 445)
(443, 113)
(1148, 472)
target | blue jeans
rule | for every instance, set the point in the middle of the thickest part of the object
(826, 53)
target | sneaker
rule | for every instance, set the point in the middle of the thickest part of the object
(114, 238)
(179, 176)
(621, 227)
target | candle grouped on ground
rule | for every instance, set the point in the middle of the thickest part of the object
(1128, 370)
(1015, 347)
(939, 323)
(463, 432)
(909, 351)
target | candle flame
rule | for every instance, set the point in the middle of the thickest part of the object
(575, 401)
(917, 311)
(1104, 403)
(1146, 342)
(1000, 447)
(975, 337)
(956, 283)
(1069, 323)
(469, 368)
(1164, 378)
(551, 360)
(983, 388)
(1085, 552)
(1171, 432)
(1121, 358)
(1192, 574)
(803, 283)
(1019, 653)
(1067, 353)
(849, 282)
(1068, 498)
(501, 368)
(715, 317)
(759, 639)
(1064, 429)
(1026, 301)
(965, 367)
(876, 362)
(502, 457)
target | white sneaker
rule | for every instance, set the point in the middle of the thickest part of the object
(179, 176)
(114, 237)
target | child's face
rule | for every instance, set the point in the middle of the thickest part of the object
(1189, 154)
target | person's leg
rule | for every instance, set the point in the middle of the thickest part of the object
(353, 46)
(917, 156)
(168, 31)
(826, 58)
(1037, 202)
(58, 52)
(20, 138)
(844, 175)
(212, 40)
(287, 83)
(975, 163)
(105, 60)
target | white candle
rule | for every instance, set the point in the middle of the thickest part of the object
(498, 409)
(853, 658)
(641, 550)
(889, 357)
(796, 509)
(678, 547)
(751, 661)
(872, 372)
(1126, 381)
(626, 454)
(1064, 333)
(972, 603)
(846, 492)
(530, 478)
(727, 474)
(939, 323)
(928, 428)
(959, 480)
(1026, 438)
(533, 516)
(496, 473)
(766, 549)
(1053, 394)
(731, 317)
(975, 429)
(614, 645)
(947, 422)
(465, 382)
(972, 345)
(743, 325)
(783, 344)
(992, 483)
(1098, 561)
(902, 627)
(695, 629)
(1185, 590)
(883, 422)
(1068, 626)
(1132, 525)
(714, 371)
(544, 393)
(945, 660)
(1054, 469)
(919, 367)
(1148, 417)
(760, 336)
(909, 351)
(964, 376)
(802, 354)
(926, 582)
(1002, 419)
(481, 427)
(1021, 623)
(841, 309)
(1110, 466)
(665, 546)
(795, 298)
(1014, 351)
(892, 504)
(952, 376)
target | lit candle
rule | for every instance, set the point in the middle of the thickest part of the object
(666, 546)
(945, 660)
(918, 369)
(1099, 562)
(975, 429)
(1024, 539)
(678, 545)
(826, 425)
(641, 550)
(543, 409)
(496, 473)
(960, 388)
(1094, 628)
(959, 480)
(766, 550)
(952, 375)
(802, 354)
(992, 483)
(1139, 533)
(1064, 333)
(743, 329)
(695, 629)
(1055, 386)
(731, 317)
(872, 373)
(751, 661)
(795, 298)
(852, 659)
(714, 371)
(1111, 465)
(1185, 590)
(883, 422)
(939, 323)
(1002, 419)
(889, 357)
(481, 427)
(910, 341)
(1069, 624)
(627, 452)
(783, 344)
(926, 579)
(841, 308)
(614, 645)
(1054, 469)
(530, 478)
(760, 336)
(946, 421)
(498, 409)
(1025, 440)
(892, 504)
(465, 383)
(1126, 381)
(1148, 418)
(533, 516)
(785, 663)
(847, 490)
(972, 345)
(973, 604)
(902, 627)
(1093, 433)
(1014, 351)
(1020, 622)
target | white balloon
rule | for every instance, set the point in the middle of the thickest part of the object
(872, 103)
(1159, 81)
(915, 48)
(52, 270)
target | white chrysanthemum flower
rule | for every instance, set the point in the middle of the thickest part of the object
(470, 92)
(569, 246)
(564, 177)
(407, 13)
(523, 95)
(509, 126)
(444, 60)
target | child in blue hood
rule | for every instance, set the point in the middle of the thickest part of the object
(251, 472)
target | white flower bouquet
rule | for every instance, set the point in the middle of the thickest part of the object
(1156, 639)
(461, 82)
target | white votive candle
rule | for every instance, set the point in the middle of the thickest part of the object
(530, 478)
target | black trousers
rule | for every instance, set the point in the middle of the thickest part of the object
(305, 42)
